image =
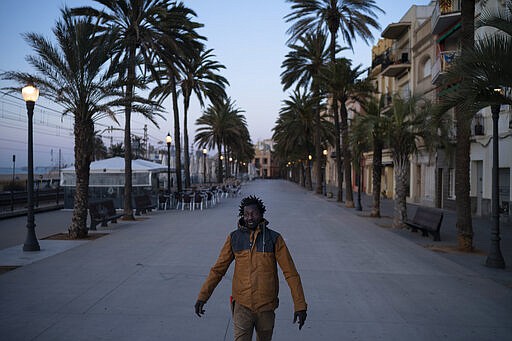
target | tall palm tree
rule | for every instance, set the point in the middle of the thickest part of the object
(136, 25)
(200, 77)
(342, 81)
(372, 124)
(463, 114)
(73, 74)
(221, 121)
(350, 18)
(294, 130)
(302, 66)
(408, 126)
(179, 43)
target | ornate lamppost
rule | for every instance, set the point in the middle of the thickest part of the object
(30, 94)
(204, 165)
(495, 258)
(324, 173)
(168, 140)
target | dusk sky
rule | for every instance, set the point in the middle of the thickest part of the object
(248, 37)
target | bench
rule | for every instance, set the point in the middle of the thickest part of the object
(428, 220)
(143, 204)
(102, 212)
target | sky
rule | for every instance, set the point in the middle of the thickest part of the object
(248, 37)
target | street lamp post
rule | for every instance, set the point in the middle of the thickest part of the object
(30, 95)
(324, 173)
(495, 258)
(12, 183)
(359, 207)
(204, 165)
(168, 140)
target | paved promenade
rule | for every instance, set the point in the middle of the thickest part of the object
(362, 279)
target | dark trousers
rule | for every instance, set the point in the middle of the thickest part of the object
(245, 321)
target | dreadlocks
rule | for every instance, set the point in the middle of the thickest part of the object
(251, 200)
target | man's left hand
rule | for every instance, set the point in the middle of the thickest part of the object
(301, 317)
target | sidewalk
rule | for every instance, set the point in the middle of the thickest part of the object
(362, 281)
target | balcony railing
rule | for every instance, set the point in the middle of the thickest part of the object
(396, 62)
(442, 64)
(446, 13)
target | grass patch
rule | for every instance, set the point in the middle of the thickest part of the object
(65, 236)
(7, 268)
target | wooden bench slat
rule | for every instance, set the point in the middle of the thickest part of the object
(428, 220)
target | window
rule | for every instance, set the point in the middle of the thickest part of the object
(451, 183)
(265, 161)
(426, 68)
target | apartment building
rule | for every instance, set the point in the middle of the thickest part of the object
(402, 65)
(413, 57)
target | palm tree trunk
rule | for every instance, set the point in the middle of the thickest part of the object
(130, 84)
(377, 174)
(332, 52)
(177, 138)
(347, 162)
(309, 185)
(186, 102)
(84, 135)
(462, 152)
(401, 176)
(318, 146)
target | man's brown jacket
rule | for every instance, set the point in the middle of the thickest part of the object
(255, 281)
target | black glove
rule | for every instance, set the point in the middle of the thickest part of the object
(199, 308)
(301, 315)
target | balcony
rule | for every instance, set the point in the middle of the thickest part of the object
(442, 65)
(395, 31)
(395, 63)
(446, 14)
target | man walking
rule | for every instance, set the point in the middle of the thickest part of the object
(256, 250)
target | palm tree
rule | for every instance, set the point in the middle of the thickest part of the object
(350, 18)
(372, 123)
(408, 126)
(294, 130)
(302, 67)
(463, 112)
(136, 25)
(73, 74)
(200, 77)
(342, 81)
(99, 149)
(179, 43)
(221, 121)
(116, 149)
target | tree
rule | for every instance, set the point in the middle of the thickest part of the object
(116, 149)
(136, 26)
(73, 74)
(350, 18)
(372, 124)
(294, 130)
(220, 122)
(342, 81)
(99, 149)
(302, 66)
(200, 77)
(409, 126)
(486, 68)
(179, 44)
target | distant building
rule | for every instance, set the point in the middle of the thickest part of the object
(264, 165)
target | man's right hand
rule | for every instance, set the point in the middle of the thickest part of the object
(199, 308)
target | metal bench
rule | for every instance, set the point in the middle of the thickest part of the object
(427, 220)
(102, 212)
